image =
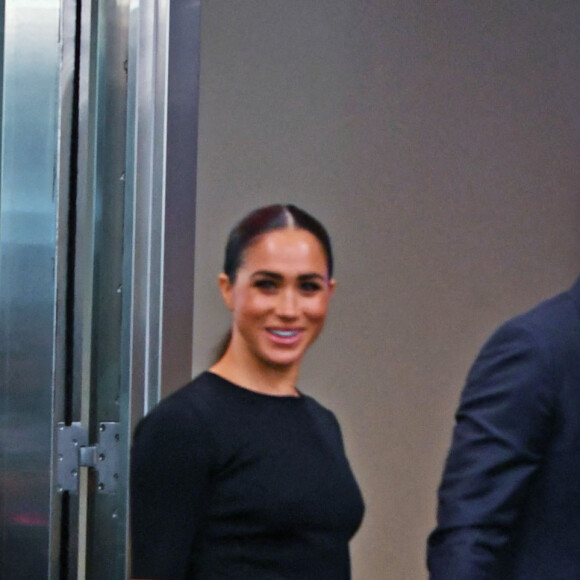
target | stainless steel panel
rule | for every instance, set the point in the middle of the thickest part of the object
(31, 61)
(104, 212)
(163, 88)
(64, 511)
(161, 186)
(145, 194)
(96, 247)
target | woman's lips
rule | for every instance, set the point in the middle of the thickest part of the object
(284, 335)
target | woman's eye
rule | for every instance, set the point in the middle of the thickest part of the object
(310, 286)
(265, 284)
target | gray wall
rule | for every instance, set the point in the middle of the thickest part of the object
(439, 142)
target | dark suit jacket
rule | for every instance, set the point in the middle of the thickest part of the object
(509, 501)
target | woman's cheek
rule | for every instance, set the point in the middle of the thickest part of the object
(317, 309)
(256, 304)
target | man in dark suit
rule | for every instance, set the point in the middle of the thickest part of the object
(509, 500)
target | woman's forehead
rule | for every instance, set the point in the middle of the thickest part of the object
(285, 248)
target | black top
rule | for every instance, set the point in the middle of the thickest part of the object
(227, 483)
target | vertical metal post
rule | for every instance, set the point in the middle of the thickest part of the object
(102, 533)
(163, 90)
(28, 217)
(161, 182)
(145, 194)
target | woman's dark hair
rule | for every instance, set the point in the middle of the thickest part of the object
(267, 219)
(260, 221)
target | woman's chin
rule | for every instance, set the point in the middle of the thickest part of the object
(281, 363)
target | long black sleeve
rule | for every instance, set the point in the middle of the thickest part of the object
(168, 496)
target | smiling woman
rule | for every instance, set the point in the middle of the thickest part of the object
(279, 299)
(238, 474)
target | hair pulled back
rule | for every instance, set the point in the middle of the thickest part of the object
(267, 219)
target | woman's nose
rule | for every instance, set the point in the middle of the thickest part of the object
(287, 304)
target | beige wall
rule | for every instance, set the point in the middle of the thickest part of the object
(440, 144)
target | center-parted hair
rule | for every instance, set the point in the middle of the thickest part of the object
(267, 219)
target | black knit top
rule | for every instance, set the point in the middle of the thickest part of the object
(230, 484)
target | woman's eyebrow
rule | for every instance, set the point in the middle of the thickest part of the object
(312, 276)
(268, 274)
(278, 276)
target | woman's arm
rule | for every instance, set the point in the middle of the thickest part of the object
(170, 470)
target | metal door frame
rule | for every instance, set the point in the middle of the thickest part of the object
(117, 237)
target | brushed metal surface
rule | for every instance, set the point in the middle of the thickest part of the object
(100, 102)
(31, 60)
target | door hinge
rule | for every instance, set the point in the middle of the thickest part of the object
(74, 452)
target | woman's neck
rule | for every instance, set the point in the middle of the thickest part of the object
(256, 375)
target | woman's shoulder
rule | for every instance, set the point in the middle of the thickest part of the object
(177, 431)
(321, 412)
(201, 388)
(314, 404)
(192, 404)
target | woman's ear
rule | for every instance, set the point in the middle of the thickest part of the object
(331, 287)
(226, 290)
